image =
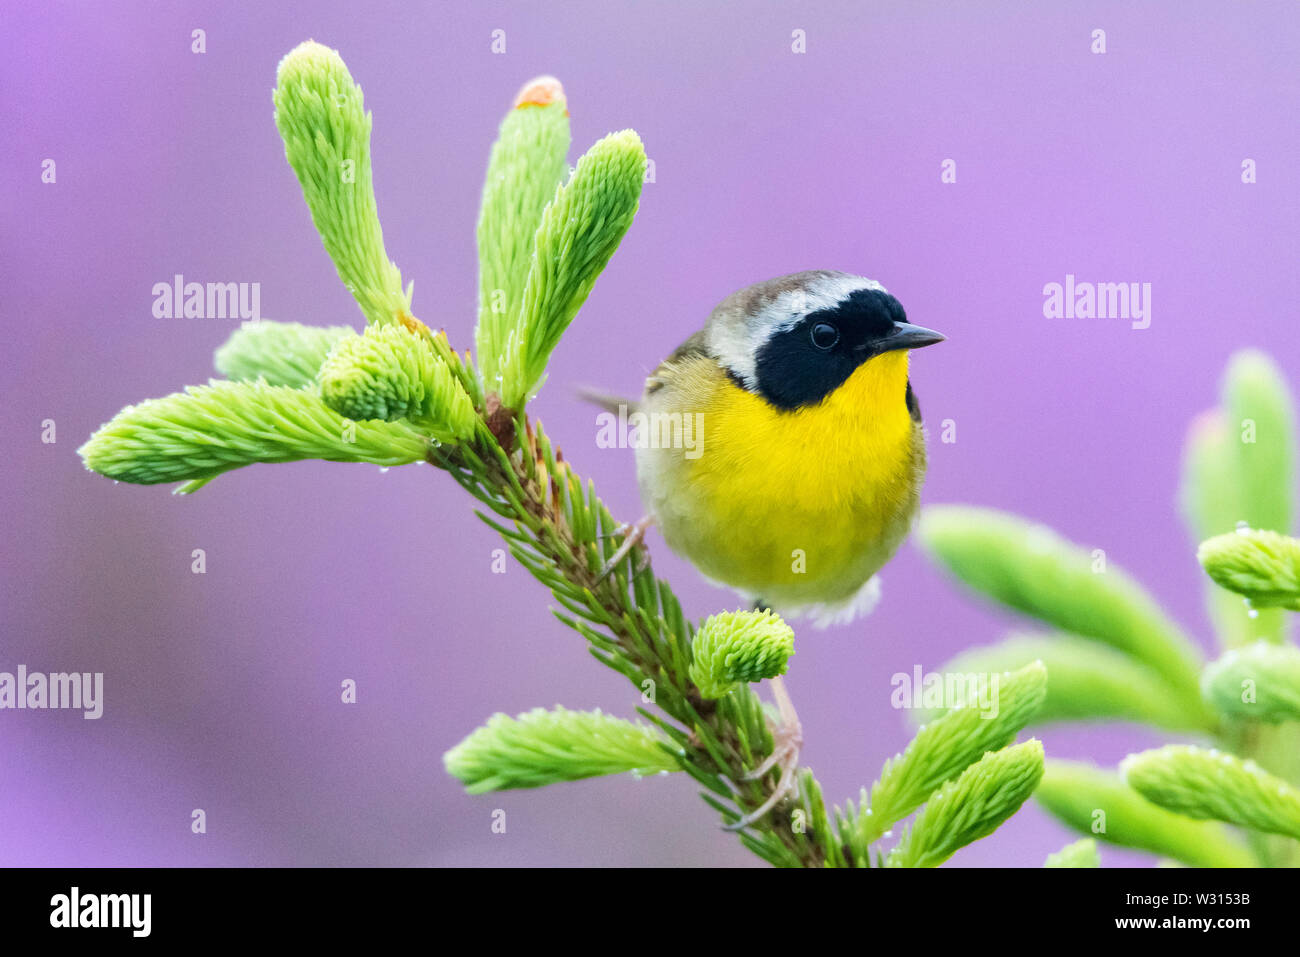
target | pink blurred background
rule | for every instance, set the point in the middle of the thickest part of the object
(222, 689)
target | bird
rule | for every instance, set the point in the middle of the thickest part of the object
(806, 454)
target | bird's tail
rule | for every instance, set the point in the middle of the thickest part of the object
(607, 400)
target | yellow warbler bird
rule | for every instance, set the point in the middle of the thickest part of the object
(780, 450)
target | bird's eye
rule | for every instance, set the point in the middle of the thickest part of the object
(825, 335)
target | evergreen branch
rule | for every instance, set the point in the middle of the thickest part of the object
(544, 747)
(1100, 804)
(1259, 682)
(1089, 682)
(946, 747)
(282, 353)
(326, 131)
(1082, 853)
(971, 807)
(1033, 570)
(197, 434)
(1208, 784)
(1261, 566)
(526, 166)
(562, 532)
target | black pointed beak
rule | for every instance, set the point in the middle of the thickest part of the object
(904, 335)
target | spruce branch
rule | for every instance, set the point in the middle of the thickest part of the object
(1261, 566)
(282, 353)
(1238, 471)
(971, 807)
(410, 396)
(1208, 784)
(1100, 804)
(556, 527)
(1259, 682)
(543, 747)
(1120, 657)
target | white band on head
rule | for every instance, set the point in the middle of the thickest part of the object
(736, 340)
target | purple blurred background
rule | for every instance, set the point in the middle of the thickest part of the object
(222, 689)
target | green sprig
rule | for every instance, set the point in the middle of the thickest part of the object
(1082, 853)
(971, 807)
(321, 116)
(197, 434)
(944, 748)
(1099, 803)
(1259, 682)
(578, 233)
(391, 373)
(543, 747)
(1210, 499)
(1259, 410)
(1089, 682)
(282, 353)
(737, 646)
(525, 169)
(1261, 566)
(1208, 784)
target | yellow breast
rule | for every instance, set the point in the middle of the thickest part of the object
(808, 502)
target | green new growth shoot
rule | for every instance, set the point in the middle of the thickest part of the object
(1210, 785)
(732, 647)
(1082, 853)
(282, 353)
(544, 747)
(1263, 567)
(528, 163)
(326, 133)
(393, 373)
(197, 434)
(1259, 682)
(945, 747)
(972, 807)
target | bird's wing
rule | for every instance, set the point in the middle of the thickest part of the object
(690, 349)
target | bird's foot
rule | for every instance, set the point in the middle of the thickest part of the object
(787, 741)
(633, 535)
